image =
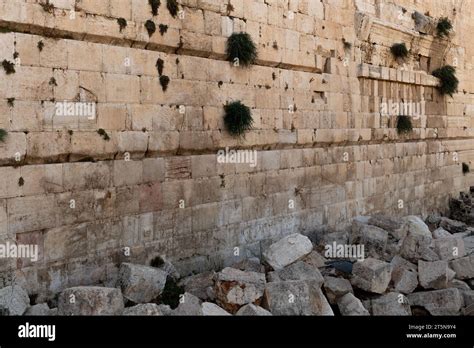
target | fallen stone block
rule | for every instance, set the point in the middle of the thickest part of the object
(296, 298)
(371, 275)
(211, 309)
(296, 271)
(189, 305)
(441, 233)
(452, 226)
(39, 310)
(391, 304)
(464, 267)
(148, 309)
(287, 250)
(235, 288)
(252, 310)
(373, 239)
(349, 305)
(90, 300)
(14, 300)
(418, 242)
(416, 226)
(336, 288)
(249, 265)
(314, 259)
(200, 285)
(404, 275)
(438, 302)
(141, 284)
(449, 248)
(394, 226)
(433, 275)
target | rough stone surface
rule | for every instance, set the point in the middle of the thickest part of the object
(438, 302)
(200, 285)
(441, 233)
(433, 275)
(464, 267)
(418, 242)
(392, 304)
(189, 305)
(235, 288)
(297, 271)
(452, 226)
(374, 240)
(148, 309)
(372, 275)
(336, 288)
(249, 265)
(141, 284)
(85, 300)
(449, 248)
(314, 259)
(251, 310)
(349, 305)
(392, 225)
(287, 250)
(38, 310)
(296, 298)
(211, 309)
(13, 300)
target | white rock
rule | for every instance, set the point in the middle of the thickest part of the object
(287, 250)
(13, 300)
(211, 309)
(141, 284)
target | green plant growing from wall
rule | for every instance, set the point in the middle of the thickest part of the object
(155, 5)
(47, 6)
(150, 27)
(160, 65)
(173, 7)
(40, 45)
(122, 22)
(238, 118)
(448, 81)
(404, 125)
(465, 168)
(444, 27)
(103, 134)
(8, 66)
(399, 50)
(11, 102)
(3, 135)
(163, 29)
(241, 49)
(164, 82)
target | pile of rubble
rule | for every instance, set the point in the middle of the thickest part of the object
(408, 267)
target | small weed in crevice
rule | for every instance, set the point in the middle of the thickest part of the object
(399, 50)
(347, 44)
(40, 46)
(444, 27)
(52, 82)
(160, 65)
(275, 45)
(155, 5)
(3, 135)
(241, 49)
(11, 102)
(220, 83)
(21, 181)
(238, 118)
(230, 8)
(163, 29)
(47, 7)
(171, 293)
(150, 27)
(70, 132)
(122, 22)
(465, 168)
(164, 82)
(448, 81)
(274, 76)
(157, 262)
(16, 55)
(103, 134)
(8, 66)
(404, 125)
(173, 7)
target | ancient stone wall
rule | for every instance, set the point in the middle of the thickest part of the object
(151, 182)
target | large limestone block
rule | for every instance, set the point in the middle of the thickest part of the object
(90, 300)
(349, 305)
(297, 271)
(464, 267)
(235, 288)
(287, 250)
(374, 240)
(391, 304)
(371, 275)
(438, 302)
(13, 300)
(141, 284)
(433, 275)
(296, 298)
(211, 309)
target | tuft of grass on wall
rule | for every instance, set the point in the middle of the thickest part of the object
(164, 82)
(241, 49)
(150, 27)
(155, 5)
(3, 135)
(160, 65)
(238, 118)
(122, 22)
(444, 27)
(399, 50)
(173, 7)
(8, 66)
(163, 29)
(40, 46)
(103, 134)
(404, 125)
(465, 168)
(448, 81)
(11, 102)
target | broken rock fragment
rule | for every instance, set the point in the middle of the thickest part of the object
(252, 310)
(287, 250)
(438, 302)
(350, 305)
(211, 309)
(464, 267)
(90, 300)
(297, 271)
(392, 304)
(433, 275)
(371, 275)
(335, 288)
(13, 300)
